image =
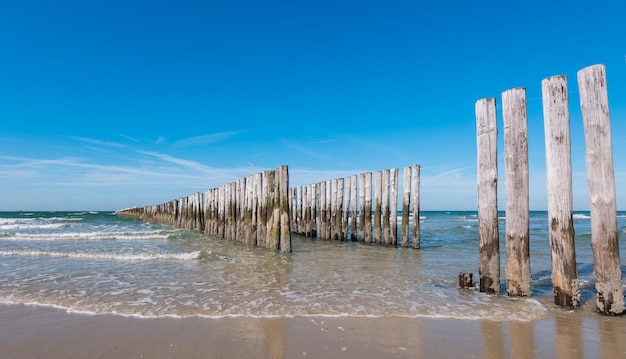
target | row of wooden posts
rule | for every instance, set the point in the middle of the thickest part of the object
(259, 210)
(328, 209)
(253, 210)
(594, 105)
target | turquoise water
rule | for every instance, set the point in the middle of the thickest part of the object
(99, 263)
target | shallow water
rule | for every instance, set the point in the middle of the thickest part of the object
(99, 263)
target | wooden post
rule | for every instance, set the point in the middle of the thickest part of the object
(338, 234)
(406, 203)
(305, 230)
(257, 195)
(560, 200)
(361, 206)
(346, 209)
(322, 212)
(250, 210)
(594, 105)
(329, 200)
(262, 220)
(378, 193)
(466, 280)
(312, 209)
(415, 194)
(488, 236)
(353, 207)
(393, 202)
(386, 211)
(282, 190)
(298, 227)
(334, 209)
(271, 234)
(366, 230)
(207, 211)
(517, 194)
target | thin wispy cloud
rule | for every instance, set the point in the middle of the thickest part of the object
(97, 142)
(205, 139)
(323, 141)
(129, 138)
(159, 140)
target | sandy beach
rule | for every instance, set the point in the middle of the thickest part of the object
(36, 332)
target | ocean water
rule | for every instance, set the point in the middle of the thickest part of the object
(99, 263)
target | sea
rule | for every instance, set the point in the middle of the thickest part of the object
(97, 263)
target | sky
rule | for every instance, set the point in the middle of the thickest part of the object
(112, 104)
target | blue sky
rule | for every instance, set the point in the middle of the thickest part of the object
(110, 104)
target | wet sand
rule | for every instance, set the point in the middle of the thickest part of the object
(35, 332)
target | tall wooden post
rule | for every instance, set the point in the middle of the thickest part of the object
(312, 209)
(322, 212)
(262, 220)
(393, 203)
(366, 229)
(282, 175)
(361, 206)
(305, 211)
(272, 230)
(415, 194)
(517, 194)
(594, 105)
(378, 193)
(346, 209)
(353, 208)
(329, 200)
(386, 212)
(488, 236)
(560, 200)
(406, 203)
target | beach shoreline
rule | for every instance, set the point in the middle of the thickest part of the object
(39, 332)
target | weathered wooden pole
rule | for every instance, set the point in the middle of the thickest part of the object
(241, 204)
(515, 118)
(346, 209)
(406, 203)
(329, 200)
(488, 236)
(353, 206)
(234, 211)
(560, 199)
(594, 105)
(322, 213)
(361, 221)
(415, 194)
(366, 229)
(272, 235)
(378, 193)
(282, 174)
(386, 212)
(257, 183)
(338, 194)
(261, 227)
(298, 227)
(393, 202)
(312, 209)
(250, 211)
(335, 213)
(221, 211)
(305, 229)
(209, 221)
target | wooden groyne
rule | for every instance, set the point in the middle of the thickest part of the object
(253, 210)
(328, 209)
(600, 179)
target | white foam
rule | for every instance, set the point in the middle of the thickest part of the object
(103, 256)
